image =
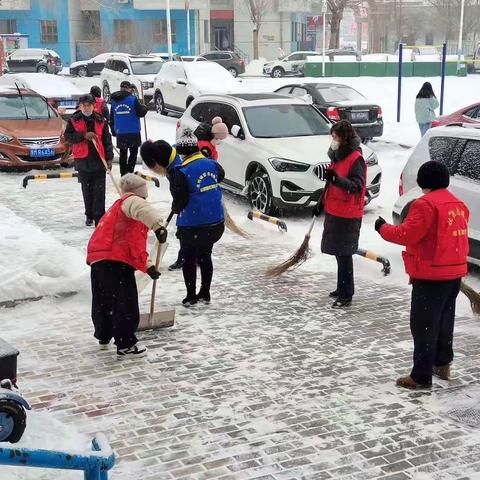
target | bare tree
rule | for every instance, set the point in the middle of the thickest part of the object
(335, 17)
(257, 9)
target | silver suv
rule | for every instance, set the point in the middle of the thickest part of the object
(458, 147)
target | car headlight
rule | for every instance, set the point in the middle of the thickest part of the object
(284, 165)
(5, 138)
(372, 160)
(147, 85)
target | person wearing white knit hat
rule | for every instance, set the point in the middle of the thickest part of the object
(116, 249)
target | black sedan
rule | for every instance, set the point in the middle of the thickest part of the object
(341, 102)
(88, 68)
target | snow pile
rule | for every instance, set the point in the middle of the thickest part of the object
(43, 432)
(255, 67)
(34, 263)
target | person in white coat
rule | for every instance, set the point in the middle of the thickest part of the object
(425, 105)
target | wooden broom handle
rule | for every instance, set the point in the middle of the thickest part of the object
(102, 158)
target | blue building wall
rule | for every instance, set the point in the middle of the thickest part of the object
(28, 22)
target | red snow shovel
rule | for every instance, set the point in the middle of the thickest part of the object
(153, 320)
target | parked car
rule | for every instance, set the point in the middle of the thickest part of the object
(341, 102)
(277, 148)
(39, 60)
(89, 68)
(60, 93)
(458, 147)
(192, 58)
(290, 65)
(470, 114)
(229, 60)
(179, 83)
(139, 70)
(166, 57)
(31, 131)
(473, 61)
(343, 52)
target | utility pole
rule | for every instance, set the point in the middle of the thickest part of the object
(169, 32)
(324, 33)
(460, 36)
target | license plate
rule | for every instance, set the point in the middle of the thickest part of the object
(42, 152)
(360, 116)
(67, 103)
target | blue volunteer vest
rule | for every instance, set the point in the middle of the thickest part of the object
(205, 203)
(126, 118)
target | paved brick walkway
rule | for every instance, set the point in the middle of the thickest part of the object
(268, 382)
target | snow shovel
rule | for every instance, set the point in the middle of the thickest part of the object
(109, 172)
(153, 320)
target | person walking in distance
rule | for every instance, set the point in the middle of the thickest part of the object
(425, 105)
(343, 205)
(435, 234)
(125, 113)
(84, 127)
(100, 106)
(116, 249)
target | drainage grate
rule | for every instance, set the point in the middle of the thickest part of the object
(468, 416)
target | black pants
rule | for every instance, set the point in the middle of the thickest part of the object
(196, 244)
(345, 283)
(128, 165)
(93, 190)
(432, 318)
(114, 303)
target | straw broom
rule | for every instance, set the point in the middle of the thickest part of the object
(231, 225)
(473, 296)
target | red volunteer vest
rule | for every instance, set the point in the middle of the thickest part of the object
(80, 150)
(441, 255)
(210, 146)
(339, 202)
(119, 238)
(98, 105)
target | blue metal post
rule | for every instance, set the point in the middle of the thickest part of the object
(442, 87)
(400, 71)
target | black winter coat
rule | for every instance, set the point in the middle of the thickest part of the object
(340, 235)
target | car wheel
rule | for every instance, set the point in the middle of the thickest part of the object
(233, 71)
(277, 72)
(13, 421)
(82, 72)
(159, 104)
(260, 193)
(106, 92)
(42, 69)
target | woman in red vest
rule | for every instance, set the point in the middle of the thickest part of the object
(435, 234)
(116, 249)
(343, 204)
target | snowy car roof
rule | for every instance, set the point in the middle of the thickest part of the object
(47, 85)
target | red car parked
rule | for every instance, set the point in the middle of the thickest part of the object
(470, 114)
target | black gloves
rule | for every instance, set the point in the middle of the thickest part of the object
(153, 273)
(317, 209)
(161, 234)
(330, 175)
(378, 223)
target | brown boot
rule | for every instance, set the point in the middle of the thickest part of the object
(409, 382)
(442, 372)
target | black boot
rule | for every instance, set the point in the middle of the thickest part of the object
(89, 222)
(342, 302)
(204, 296)
(176, 266)
(190, 300)
(333, 294)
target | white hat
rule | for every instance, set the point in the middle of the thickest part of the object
(131, 183)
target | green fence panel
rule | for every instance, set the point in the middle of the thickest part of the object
(343, 69)
(373, 69)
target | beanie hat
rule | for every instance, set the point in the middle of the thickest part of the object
(187, 143)
(159, 152)
(219, 129)
(87, 98)
(204, 132)
(433, 175)
(126, 84)
(131, 183)
(95, 91)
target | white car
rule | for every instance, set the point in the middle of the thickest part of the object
(291, 64)
(59, 92)
(178, 83)
(88, 68)
(277, 147)
(458, 147)
(139, 70)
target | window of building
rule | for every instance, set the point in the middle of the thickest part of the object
(124, 31)
(91, 24)
(49, 32)
(159, 31)
(8, 26)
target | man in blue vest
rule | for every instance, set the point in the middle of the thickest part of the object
(125, 114)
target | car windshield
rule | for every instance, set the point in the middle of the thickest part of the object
(339, 94)
(31, 107)
(280, 121)
(146, 67)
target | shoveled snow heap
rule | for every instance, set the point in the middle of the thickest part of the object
(34, 263)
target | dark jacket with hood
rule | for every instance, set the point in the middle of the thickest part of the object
(340, 235)
(127, 140)
(92, 162)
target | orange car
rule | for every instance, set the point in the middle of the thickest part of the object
(31, 132)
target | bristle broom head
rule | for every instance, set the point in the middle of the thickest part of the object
(473, 296)
(298, 258)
